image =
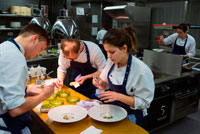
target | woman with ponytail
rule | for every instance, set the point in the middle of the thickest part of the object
(182, 43)
(127, 81)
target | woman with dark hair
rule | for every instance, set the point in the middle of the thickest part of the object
(183, 43)
(130, 81)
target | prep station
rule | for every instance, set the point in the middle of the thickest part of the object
(177, 85)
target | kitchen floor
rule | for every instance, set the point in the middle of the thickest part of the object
(187, 125)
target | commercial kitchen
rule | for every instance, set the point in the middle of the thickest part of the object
(175, 106)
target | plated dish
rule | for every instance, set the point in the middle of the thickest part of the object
(67, 113)
(107, 113)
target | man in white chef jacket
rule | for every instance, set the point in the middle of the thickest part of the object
(15, 103)
(86, 60)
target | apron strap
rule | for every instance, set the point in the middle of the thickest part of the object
(127, 70)
(5, 129)
(14, 42)
(87, 52)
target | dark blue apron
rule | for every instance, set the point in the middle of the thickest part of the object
(180, 50)
(15, 124)
(87, 88)
(122, 89)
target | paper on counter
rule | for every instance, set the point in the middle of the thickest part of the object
(92, 130)
(75, 84)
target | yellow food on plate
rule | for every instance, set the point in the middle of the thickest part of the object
(57, 102)
(63, 93)
(73, 99)
(53, 97)
(75, 84)
(46, 107)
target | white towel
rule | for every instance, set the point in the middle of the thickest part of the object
(92, 130)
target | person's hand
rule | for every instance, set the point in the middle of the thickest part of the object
(33, 90)
(59, 83)
(185, 56)
(81, 80)
(48, 90)
(162, 40)
(98, 82)
(108, 96)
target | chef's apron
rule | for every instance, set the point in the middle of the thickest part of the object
(180, 50)
(87, 88)
(122, 89)
(15, 124)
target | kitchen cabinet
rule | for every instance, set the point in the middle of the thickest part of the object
(175, 97)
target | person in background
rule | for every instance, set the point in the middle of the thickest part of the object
(100, 36)
(129, 80)
(15, 103)
(86, 60)
(182, 43)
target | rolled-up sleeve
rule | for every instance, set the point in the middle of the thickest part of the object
(170, 39)
(63, 63)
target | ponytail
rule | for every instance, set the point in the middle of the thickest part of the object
(119, 37)
(132, 36)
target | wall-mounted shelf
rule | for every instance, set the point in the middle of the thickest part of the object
(170, 27)
(160, 26)
(9, 29)
(14, 15)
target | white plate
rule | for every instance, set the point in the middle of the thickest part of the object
(57, 113)
(50, 81)
(117, 112)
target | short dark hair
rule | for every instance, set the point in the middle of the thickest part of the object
(33, 28)
(75, 48)
(184, 27)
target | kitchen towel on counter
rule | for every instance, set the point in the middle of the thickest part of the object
(92, 130)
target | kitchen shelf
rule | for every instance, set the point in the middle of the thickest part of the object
(171, 26)
(14, 15)
(160, 26)
(11, 29)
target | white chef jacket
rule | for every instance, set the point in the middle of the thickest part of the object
(100, 35)
(140, 82)
(13, 79)
(190, 47)
(97, 59)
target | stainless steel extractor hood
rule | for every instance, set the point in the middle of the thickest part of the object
(41, 19)
(43, 22)
(134, 13)
(65, 26)
(138, 16)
